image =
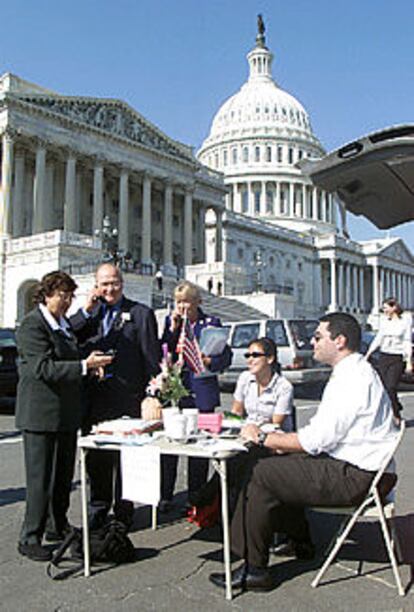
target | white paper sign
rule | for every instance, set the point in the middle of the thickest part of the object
(141, 479)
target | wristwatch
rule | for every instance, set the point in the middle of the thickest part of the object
(261, 438)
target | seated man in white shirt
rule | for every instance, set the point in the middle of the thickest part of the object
(331, 461)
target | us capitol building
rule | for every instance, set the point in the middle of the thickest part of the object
(76, 170)
(286, 248)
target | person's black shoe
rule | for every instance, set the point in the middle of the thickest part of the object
(165, 506)
(35, 552)
(58, 535)
(247, 579)
(304, 550)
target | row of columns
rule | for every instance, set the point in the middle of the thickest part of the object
(298, 200)
(390, 283)
(347, 286)
(12, 205)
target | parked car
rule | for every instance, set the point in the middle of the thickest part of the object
(8, 363)
(293, 340)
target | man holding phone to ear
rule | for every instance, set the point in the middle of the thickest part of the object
(112, 323)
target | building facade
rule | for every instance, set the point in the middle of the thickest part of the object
(281, 235)
(68, 163)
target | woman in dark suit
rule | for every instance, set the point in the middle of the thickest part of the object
(48, 410)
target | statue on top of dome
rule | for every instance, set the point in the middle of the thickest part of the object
(260, 38)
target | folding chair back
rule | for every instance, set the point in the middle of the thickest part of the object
(373, 505)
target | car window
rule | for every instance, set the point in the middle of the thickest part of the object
(7, 338)
(244, 334)
(302, 332)
(276, 331)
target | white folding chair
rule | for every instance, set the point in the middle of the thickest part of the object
(372, 506)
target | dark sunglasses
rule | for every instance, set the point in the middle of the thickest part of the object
(254, 354)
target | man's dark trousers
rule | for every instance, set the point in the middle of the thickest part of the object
(279, 489)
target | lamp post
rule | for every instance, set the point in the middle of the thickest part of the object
(259, 267)
(111, 253)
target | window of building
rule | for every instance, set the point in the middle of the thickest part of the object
(245, 201)
(245, 154)
(257, 202)
(279, 154)
(300, 154)
(269, 201)
(216, 160)
(234, 155)
(225, 157)
(268, 154)
(290, 155)
(257, 154)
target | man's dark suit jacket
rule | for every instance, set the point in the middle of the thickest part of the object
(50, 374)
(133, 336)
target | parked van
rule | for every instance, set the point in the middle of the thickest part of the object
(293, 340)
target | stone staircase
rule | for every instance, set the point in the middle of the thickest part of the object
(225, 308)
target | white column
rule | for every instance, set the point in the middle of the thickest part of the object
(333, 306)
(381, 285)
(304, 203)
(250, 203)
(202, 231)
(98, 203)
(234, 196)
(291, 200)
(348, 285)
(340, 285)
(123, 216)
(146, 220)
(263, 198)
(168, 225)
(399, 287)
(6, 184)
(355, 300)
(393, 285)
(361, 289)
(70, 216)
(18, 194)
(40, 212)
(315, 203)
(277, 203)
(219, 234)
(375, 289)
(188, 228)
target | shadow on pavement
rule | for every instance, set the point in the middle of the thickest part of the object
(12, 496)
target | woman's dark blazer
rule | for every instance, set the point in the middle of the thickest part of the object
(50, 373)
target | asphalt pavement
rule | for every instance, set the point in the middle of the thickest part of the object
(173, 562)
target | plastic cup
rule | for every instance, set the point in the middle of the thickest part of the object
(191, 414)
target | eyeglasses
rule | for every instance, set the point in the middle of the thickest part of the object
(66, 295)
(254, 354)
(114, 284)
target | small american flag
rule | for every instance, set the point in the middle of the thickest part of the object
(188, 349)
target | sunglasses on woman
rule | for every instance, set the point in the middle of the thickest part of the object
(254, 354)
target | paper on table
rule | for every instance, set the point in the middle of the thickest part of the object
(140, 467)
(213, 340)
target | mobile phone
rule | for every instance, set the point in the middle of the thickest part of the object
(110, 352)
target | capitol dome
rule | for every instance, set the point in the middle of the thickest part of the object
(256, 138)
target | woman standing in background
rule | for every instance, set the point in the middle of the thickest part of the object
(395, 344)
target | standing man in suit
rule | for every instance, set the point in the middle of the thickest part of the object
(48, 411)
(111, 322)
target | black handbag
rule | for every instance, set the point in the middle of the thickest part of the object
(109, 544)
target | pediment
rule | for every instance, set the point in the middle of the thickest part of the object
(112, 116)
(399, 251)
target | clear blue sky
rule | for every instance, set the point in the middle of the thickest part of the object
(350, 62)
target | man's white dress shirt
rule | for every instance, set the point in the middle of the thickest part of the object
(354, 420)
